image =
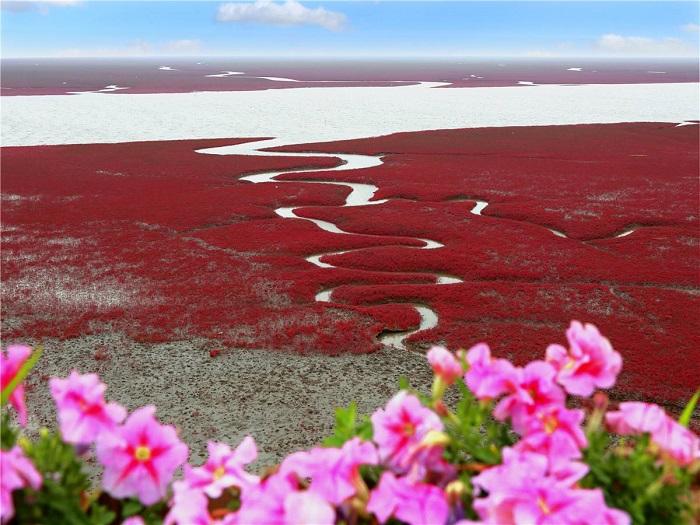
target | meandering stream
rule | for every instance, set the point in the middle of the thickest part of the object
(360, 195)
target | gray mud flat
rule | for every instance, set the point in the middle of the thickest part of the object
(285, 401)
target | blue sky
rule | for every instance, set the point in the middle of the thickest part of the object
(290, 28)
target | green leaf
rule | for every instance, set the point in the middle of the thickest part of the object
(131, 507)
(689, 409)
(64, 484)
(21, 374)
(8, 432)
(348, 426)
(101, 515)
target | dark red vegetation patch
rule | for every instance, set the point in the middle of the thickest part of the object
(164, 243)
(52, 76)
(113, 237)
(522, 282)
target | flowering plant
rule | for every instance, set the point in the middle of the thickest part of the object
(492, 443)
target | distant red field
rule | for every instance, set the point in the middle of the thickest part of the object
(163, 243)
(38, 76)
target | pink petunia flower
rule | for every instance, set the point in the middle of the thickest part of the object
(555, 432)
(334, 472)
(189, 506)
(673, 439)
(589, 363)
(82, 411)
(400, 428)
(277, 499)
(134, 520)
(17, 472)
(678, 442)
(636, 418)
(444, 364)
(488, 378)
(523, 491)
(303, 508)
(532, 389)
(411, 502)
(224, 468)
(10, 364)
(140, 457)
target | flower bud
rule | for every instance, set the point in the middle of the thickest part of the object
(435, 438)
(444, 364)
(455, 490)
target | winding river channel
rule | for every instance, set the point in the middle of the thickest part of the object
(360, 195)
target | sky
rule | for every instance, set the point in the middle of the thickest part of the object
(289, 28)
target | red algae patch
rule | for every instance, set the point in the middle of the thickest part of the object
(595, 222)
(36, 76)
(113, 238)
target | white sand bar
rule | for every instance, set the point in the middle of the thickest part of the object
(323, 114)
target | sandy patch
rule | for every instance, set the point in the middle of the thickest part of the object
(286, 401)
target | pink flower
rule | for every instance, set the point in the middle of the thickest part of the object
(18, 472)
(486, 377)
(134, 520)
(412, 503)
(190, 506)
(589, 363)
(334, 472)
(531, 389)
(277, 500)
(9, 366)
(400, 428)
(303, 508)
(444, 364)
(555, 432)
(523, 490)
(636, 418)
(521, 465)
(678, 442)
(82, 411)
(140, 457)
(672, 438)
(224, 468)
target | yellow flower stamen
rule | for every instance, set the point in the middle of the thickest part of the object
(142, 453)
(219, 472)
(550, 424)
(542, 504)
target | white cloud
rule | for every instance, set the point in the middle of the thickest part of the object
(136, 48)
(42, 6)
(540, 53)
(642, 46)
(288, 13)
(691, 28)
(184, 46)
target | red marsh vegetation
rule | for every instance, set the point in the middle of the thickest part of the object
(52, 76)
(161, 242)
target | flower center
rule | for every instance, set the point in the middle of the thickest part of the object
(409, 429)
(142, 453)
(219, 472)
(542, 504)
(569, 364)
(550, 424)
